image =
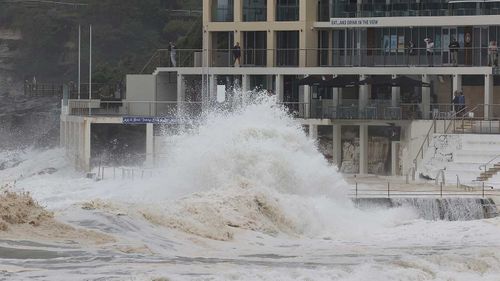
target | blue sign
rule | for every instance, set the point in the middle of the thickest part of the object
(149, 120)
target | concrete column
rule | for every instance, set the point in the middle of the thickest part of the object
(72, 137)
(337, 145)
(271, 45)
(181, 88)
(279, 87)
(86, 145)
(81, 136)
(61, 133)
(212, 88)
(181, 94)
(363, 149)
(395, 95)
(457, 83)
(307, 101)
(336, 95)
(488, 96)
(426, 98)
(245, 83)
(238, 11)
(395, 157)
(150, 145)
(364, 94)
(313, 132)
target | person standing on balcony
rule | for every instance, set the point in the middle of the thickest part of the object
(173, 54)
(493, 53)
(411, 53)
(237, 54)
(429, 48)
(454, 46)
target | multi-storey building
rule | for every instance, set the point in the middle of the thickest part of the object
(386, 87)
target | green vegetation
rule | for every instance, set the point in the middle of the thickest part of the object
(125, 34)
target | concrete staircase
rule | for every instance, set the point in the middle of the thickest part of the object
(488, 174)
(461, 156)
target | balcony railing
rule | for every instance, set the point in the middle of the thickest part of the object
(316, 109)
(135, 108)
(406, 10)
(324, 57)
(383, 110)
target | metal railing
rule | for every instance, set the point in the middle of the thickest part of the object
(433, 129)
(407, 10)
(322, 57)
(480, 119)
(134, 108)
(482, 191)
(374, 110)
(111, 91)
(485, 165)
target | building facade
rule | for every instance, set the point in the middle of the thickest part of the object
(364, 121)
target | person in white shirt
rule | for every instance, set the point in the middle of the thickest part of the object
(429, 48)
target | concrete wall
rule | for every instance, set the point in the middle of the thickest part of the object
(166, 86)
(140, 87)
(307, 34)
(412, 138)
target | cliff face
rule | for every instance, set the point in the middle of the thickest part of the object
(9, 83)
(23, 121)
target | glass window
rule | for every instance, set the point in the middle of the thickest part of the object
(222, 10)
(254, 48)
(255, 10)
(287, 53)
(287, 10)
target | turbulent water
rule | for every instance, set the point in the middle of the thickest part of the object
(244, 196)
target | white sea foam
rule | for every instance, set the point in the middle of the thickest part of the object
(253, 179)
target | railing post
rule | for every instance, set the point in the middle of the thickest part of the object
(483, 189)
(388, 190)
(356, 189)
(441, 189)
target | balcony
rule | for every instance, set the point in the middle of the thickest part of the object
(157, 109)
(383, 110)
(321, 57)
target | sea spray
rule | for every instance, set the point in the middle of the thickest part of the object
(253, 168)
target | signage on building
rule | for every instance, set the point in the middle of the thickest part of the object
(355, 22)
(150, 120)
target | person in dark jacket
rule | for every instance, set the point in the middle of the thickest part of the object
(455, 101)
(454, 46)
(411, 53)
(461, 101)
(237, 54)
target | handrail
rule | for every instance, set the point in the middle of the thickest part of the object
(462, 118)
(426, 139)
(455, 117)
(433, 126)
(489, 162)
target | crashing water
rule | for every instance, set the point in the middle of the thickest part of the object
(450, 209)
(244, 196)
